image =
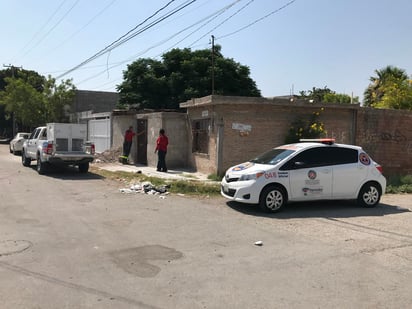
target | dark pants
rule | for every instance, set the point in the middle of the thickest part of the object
(126, 148)
(161, 163)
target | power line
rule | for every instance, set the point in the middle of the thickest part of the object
(126, 37)
(257, 20)
(210, 17)
(52, 28)
(42, 27)
(231, 16)
(84, 26)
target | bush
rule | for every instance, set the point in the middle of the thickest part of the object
(399, 184)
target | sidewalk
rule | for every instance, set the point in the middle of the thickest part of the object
(175, 174)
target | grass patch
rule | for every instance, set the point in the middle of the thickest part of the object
(214, 177)
(187, 187)
(399, 184)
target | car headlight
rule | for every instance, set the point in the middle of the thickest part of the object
(251, 176)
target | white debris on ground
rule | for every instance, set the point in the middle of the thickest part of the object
(147, 188)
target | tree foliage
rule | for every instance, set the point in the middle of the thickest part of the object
(390, 88)
(326, 95)
(33, 99)
(181, 75)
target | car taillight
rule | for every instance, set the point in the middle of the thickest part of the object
(92, 149)
(379, 168)
(48, 148)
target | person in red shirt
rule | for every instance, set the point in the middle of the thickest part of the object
(128, 139)
(161, 149)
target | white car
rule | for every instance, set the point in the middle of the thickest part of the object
(16, 143)
(309, 170)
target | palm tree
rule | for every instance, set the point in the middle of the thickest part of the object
(374, 93)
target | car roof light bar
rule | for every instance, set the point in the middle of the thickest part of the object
(328, 141)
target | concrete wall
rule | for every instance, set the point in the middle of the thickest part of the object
(120, 123)
(95, 101)
(176, 129)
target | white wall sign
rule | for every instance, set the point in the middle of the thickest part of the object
(241, 127)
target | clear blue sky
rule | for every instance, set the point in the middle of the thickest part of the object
(308, 43)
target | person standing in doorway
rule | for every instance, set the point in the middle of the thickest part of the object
(128, 139)
(161, 149)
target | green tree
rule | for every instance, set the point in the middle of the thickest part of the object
(181, 75)
(24, 101)
(33, 103)
(58, 99)
(326, 95)
(397, 95)
(380, 83)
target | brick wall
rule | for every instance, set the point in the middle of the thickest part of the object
(387, 136)
(253, 125)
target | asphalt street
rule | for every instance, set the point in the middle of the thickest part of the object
(71, 240)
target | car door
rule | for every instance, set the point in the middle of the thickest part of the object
(310, 175)
(32, 143)
(348, 172)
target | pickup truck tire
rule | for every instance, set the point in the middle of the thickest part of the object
(24, 160)
(41, 166)
(84, 167)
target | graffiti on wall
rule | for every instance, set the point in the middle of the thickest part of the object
(372, 140)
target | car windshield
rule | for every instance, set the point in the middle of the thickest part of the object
(273, 156)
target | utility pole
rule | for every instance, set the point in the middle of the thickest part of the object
(213, 64)
(12, 67)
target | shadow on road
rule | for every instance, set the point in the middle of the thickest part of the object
(69, 173)
(320, 209)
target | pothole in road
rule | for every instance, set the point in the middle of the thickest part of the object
(9, 247)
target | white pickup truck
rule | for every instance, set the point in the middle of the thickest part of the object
(59, 144)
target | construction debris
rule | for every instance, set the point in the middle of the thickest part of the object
(147, 188)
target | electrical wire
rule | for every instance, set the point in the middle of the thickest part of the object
(84, 26)
(129, 35)
(256, 21)
(42, 28)
(207, 19)
(224, 21)
(52, 28)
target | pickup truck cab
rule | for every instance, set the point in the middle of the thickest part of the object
(58, 144)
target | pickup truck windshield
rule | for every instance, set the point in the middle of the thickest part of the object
(273, 156)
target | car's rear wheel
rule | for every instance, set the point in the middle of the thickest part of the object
(24, 160)
(369, 195)
(84, 167)
(272, 199)
(41, 166)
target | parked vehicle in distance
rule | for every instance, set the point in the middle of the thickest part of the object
(16, 144)
(59, 144)
(310, 170)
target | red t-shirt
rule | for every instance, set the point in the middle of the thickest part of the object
(128, 137)
(162, 142)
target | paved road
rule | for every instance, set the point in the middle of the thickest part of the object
(69, 240)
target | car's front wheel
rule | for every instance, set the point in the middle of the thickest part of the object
(369, 195)
(24, 160)
(272, 199)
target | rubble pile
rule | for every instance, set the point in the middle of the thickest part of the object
(147, 188)
(109, 156)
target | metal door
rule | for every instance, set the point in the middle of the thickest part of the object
(142, 141)
(99, 134)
